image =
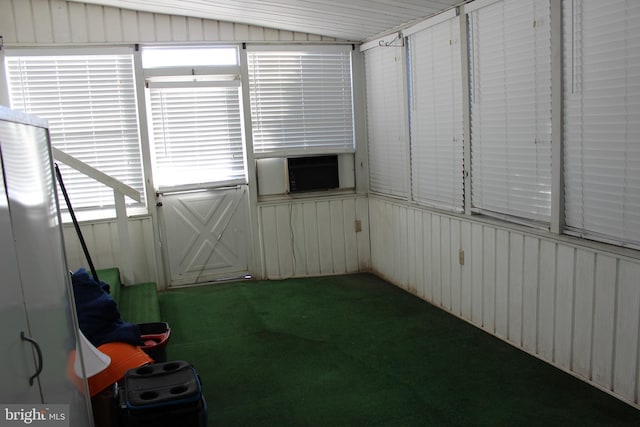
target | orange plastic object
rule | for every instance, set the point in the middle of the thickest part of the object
(123, 357)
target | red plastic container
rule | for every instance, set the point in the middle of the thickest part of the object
(155, 338)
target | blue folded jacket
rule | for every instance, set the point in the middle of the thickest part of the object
(98, 313)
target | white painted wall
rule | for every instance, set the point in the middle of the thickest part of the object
(571, 303)
(50, 23)
(311, 237)
(574, 305)
(103, 244)
(298, 238)
(60, 22)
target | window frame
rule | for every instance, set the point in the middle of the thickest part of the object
(194, 76)
(397, 119)
(509, 204)
(98, 211)
(599, 91)
(421, 184)
(308, 148)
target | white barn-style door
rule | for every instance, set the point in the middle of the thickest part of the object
(206, 234)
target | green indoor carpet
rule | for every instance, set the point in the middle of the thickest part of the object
(355, 350)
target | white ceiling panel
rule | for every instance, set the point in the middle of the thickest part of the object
(352, 20)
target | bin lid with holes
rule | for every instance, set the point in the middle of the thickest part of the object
(161, 384)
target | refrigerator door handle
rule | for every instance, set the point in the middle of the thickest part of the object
(39, 354)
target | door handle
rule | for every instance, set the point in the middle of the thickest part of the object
(39, 354)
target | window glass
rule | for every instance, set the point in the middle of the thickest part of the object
(602, 120)
(510, 67)
(388, 150)
(156, 57)
(437, 131)
(90, 103)
(301, 101)
(197, 135)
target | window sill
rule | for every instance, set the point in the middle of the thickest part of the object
(101, 215)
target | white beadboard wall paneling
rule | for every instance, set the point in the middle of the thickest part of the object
(427, 268)
(78, 22)
(286, 238)
(95, 17)
(363, 238)
(446, 262)
(456, 267)
(604, 320)
(325, 241)
(546, 299)
(412, 270)
(625, 367)
(400, 237)
(60, 22)
(314, 237)
(563, 326)
(113, 31)
(311, 248)
(43, 24)
(353, 20)
(574, 306)
(23, 23)
(516, 252)
(489, 279)
(103, 243)
(465, 284)
(530, 270)
(502, 284)
(61, 28)
(179, 30)
(146, 27)
(477, 275)
(583, 311)
(436, 259)
(7, 22)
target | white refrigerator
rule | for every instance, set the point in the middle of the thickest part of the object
(38, 324)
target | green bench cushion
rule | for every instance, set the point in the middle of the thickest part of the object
(112, 277)
(137, 303)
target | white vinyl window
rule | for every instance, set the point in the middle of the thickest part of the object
(90, 103)
(192, 56)
(195, 110)
(436, 116)
(301, 100)
(197, 135)
(386, 121)
(510, 67)
(602, 120)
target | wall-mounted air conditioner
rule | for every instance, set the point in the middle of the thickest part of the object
(305, 174)
(313, 173)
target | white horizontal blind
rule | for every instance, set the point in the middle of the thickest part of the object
(602, 119)
(436, 116)
(510, 57)
(301, 101)
(90, 103)
(386, 121)
(197, 135)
